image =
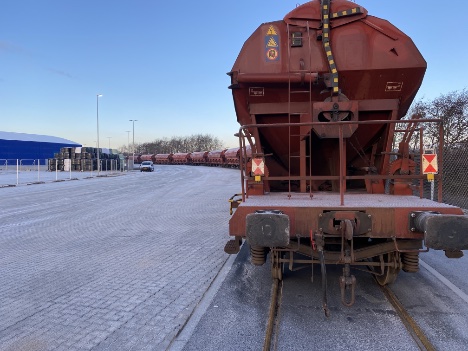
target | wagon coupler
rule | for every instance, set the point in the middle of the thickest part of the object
(347, 285)
(347, 281)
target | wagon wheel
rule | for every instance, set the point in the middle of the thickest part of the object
(277, 267)
(389, 273)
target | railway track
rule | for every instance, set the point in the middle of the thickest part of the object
(273, 315)
(413, 328)
(273, 322)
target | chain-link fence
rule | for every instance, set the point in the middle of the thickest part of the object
(454, 176)
(453, 164)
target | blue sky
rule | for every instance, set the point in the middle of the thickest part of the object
(164, 63)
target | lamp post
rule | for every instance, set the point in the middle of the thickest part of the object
(97, 123)
(109, 142)
(128, 138)
(128, 148)
(133, 143)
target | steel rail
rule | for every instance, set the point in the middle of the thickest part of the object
(413, 328)
(273, 315)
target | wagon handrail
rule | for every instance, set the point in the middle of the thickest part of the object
(343, 177)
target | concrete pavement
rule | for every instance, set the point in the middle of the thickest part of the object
(114, 263)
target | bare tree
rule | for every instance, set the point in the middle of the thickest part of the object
(197, 142)
(452, 109)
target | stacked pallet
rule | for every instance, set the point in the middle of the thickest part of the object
(85, 159)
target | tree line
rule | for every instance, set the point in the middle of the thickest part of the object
(192, 143)
(452, 109)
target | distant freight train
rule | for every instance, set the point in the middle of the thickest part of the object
(229, 158)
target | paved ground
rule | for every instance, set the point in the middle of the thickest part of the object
(110, 263)
(235, 319)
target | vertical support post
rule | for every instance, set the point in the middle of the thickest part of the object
(17, 171)
(421, 151)
(241, 160)
(303, 165)
(441, 160)
(342, 165)
(388, 147)
(97, 125)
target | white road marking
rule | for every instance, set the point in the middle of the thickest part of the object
(444, 280)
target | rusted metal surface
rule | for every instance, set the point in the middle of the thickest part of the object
(232, 156)
(374, 56)
(216, 157)
(163, 158)
(199, 157)
(320, 97)
(182, 158)
(146, 158)
(388, 215)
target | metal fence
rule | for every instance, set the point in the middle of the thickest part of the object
(28, 171)
(454, 177)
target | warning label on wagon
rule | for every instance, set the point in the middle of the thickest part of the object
(394, 86)
(272, 47)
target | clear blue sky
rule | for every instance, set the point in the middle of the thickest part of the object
(164, 63)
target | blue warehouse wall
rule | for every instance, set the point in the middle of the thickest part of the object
(29, 150)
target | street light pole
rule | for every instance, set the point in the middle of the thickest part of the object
(128, 138)
(128, 149)
(133, 146)
(109, 142)
(97, 123)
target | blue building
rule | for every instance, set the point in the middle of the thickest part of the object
(26, 147)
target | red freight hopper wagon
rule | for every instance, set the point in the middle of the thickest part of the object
(146, 158)
(199, 157)
(134, 159)
(216, 157)
(181, 158)
(319, 96)
(163, 159)
(233, 155)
